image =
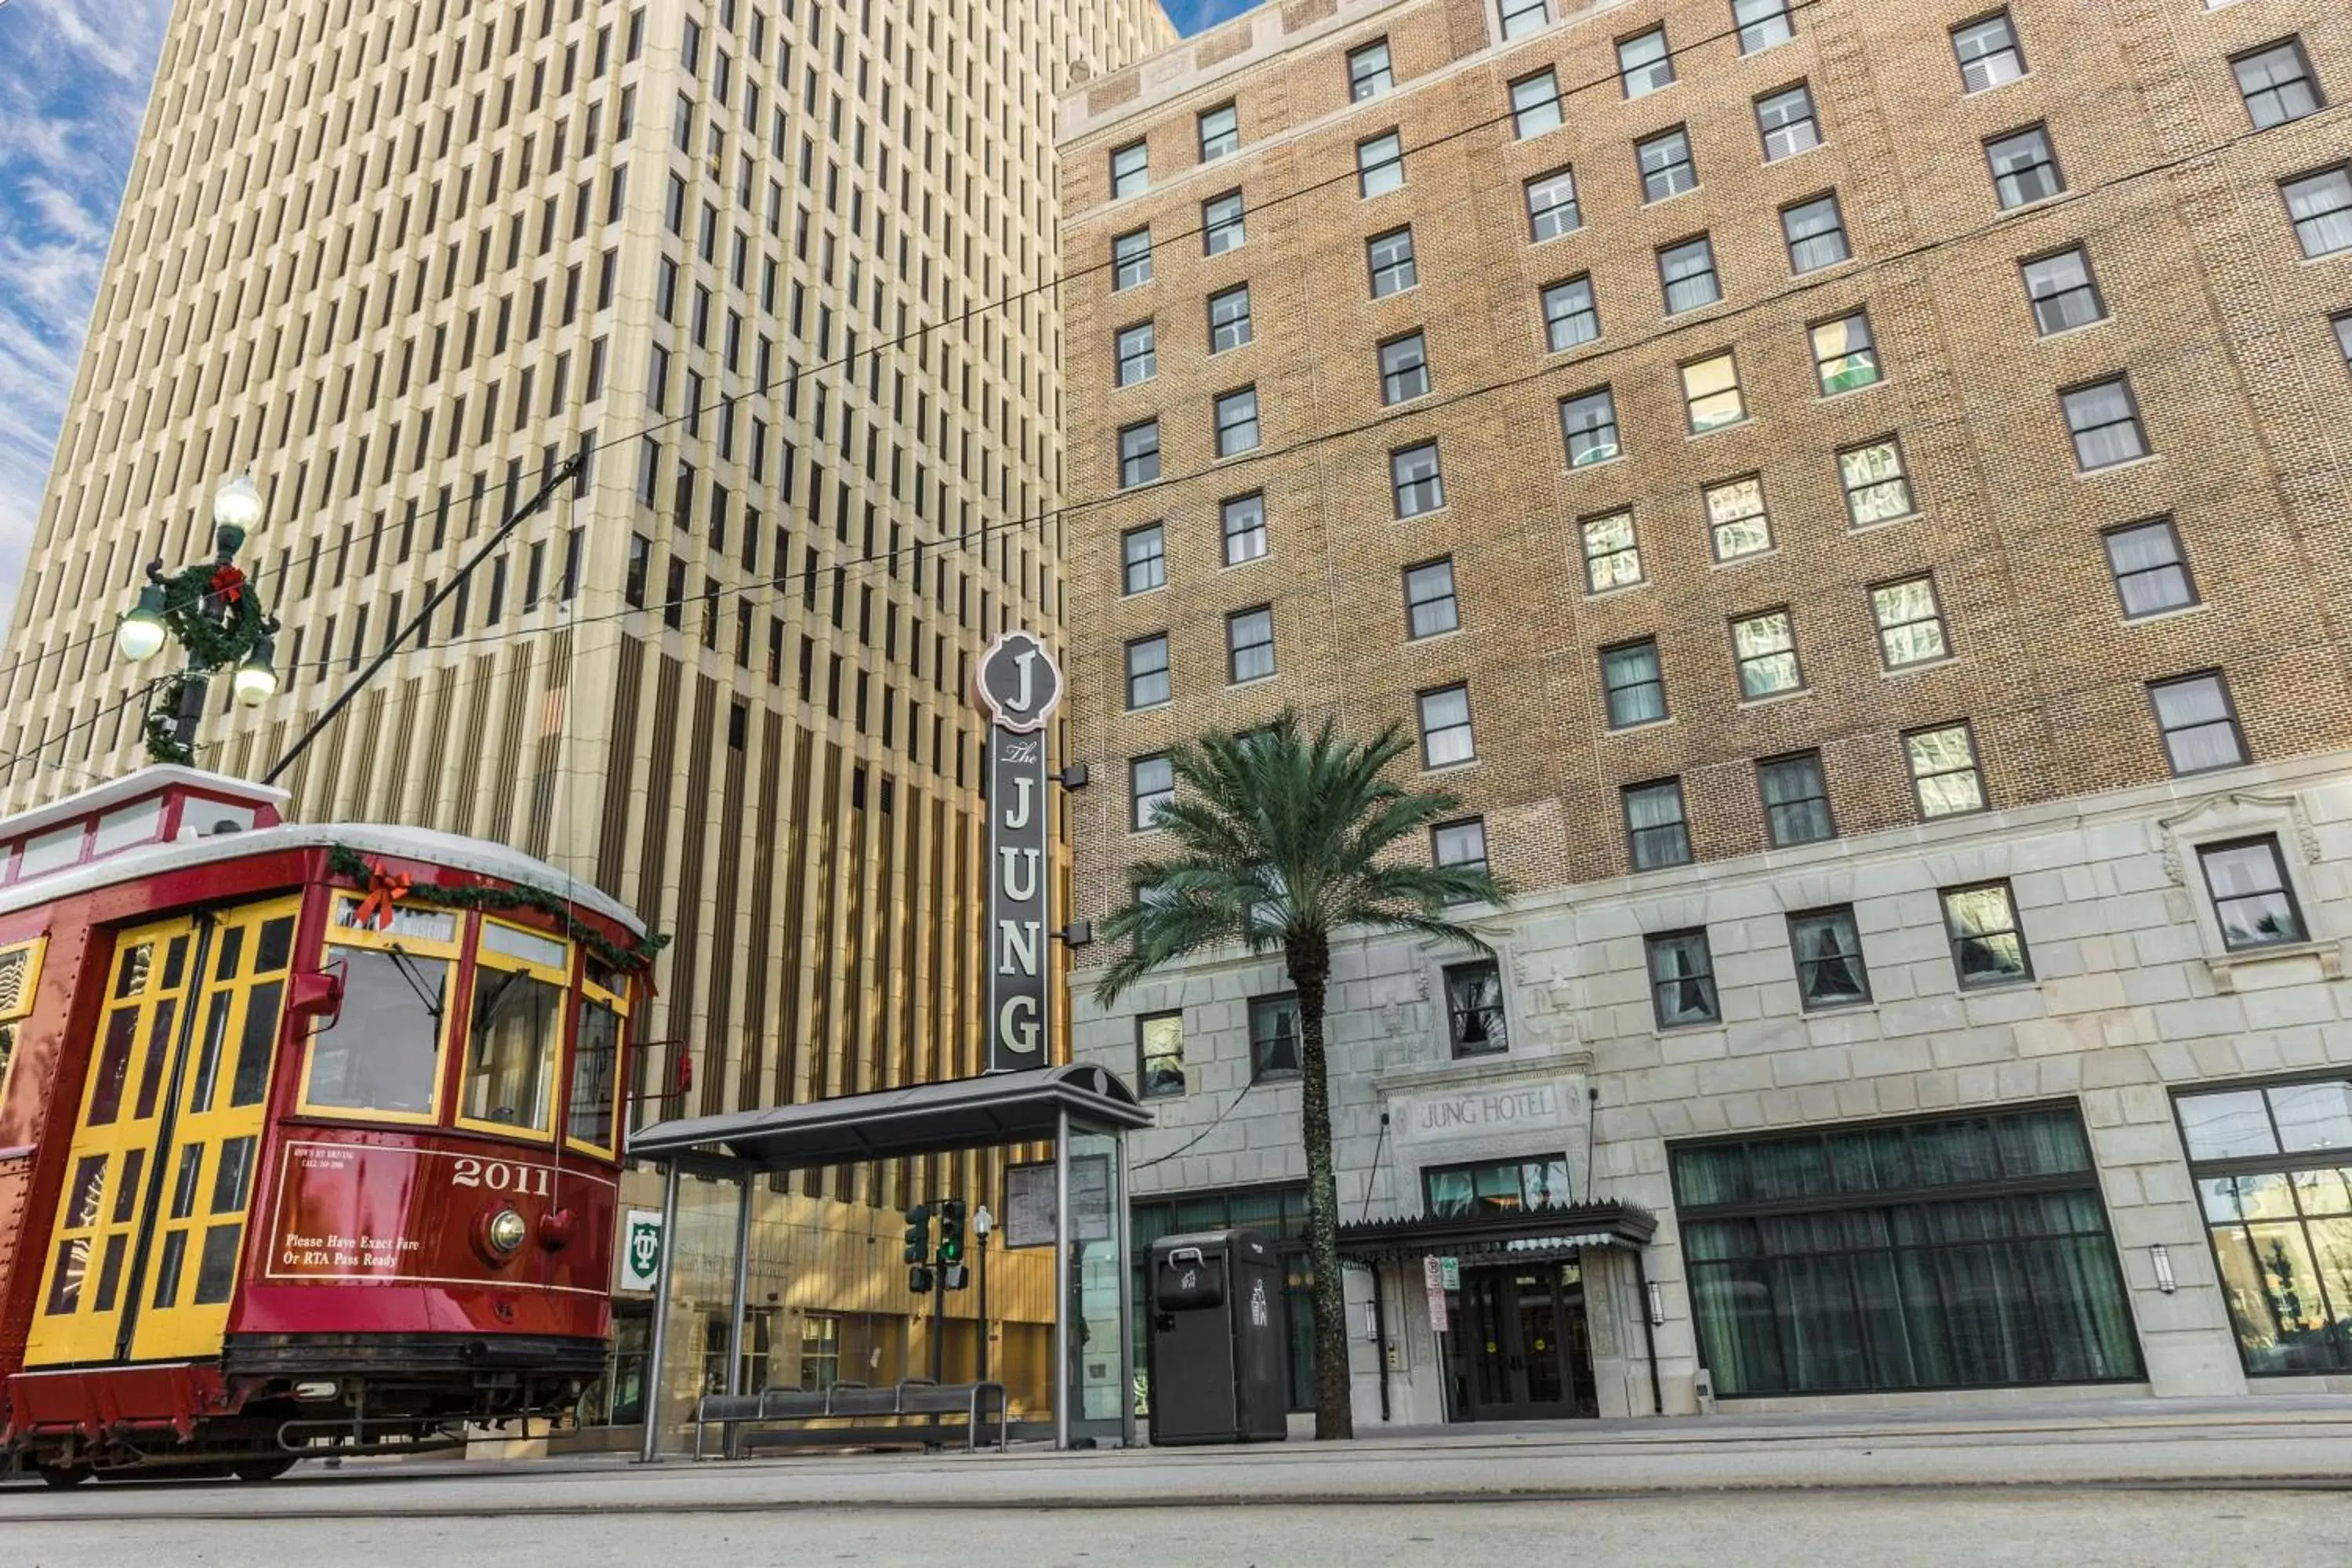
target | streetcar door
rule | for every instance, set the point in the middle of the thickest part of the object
(80, 1317)
(198, 1236)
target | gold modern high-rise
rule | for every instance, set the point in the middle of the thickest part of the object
(781, 267)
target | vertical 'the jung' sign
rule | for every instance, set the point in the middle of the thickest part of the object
(1017, 685)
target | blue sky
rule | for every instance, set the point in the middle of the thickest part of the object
(70, 103)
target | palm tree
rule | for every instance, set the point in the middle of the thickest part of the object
(1282, 842)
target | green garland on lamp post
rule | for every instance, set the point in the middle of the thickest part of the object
(215, 615)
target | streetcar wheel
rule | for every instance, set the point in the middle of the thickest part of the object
(59, 1477)
(261, 1469)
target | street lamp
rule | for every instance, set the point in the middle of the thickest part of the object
(215, 617)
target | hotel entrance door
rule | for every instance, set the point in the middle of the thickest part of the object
(1519, 1349)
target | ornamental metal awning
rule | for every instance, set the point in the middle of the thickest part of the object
(922, 1119)
(1507, 1236)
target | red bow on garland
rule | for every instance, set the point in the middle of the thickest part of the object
(227, 584)
(385, 889)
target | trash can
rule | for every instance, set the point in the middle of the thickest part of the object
(1219, 1355)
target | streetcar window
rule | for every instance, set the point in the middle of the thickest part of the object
(383, 1051)
(59, 847)
(137, 823)
(595, 1061)
(511, 1056)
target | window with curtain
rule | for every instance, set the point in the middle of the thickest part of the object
(2274, 1171)
(1965, 1252)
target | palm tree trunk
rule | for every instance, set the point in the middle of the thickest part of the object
(1309, 961)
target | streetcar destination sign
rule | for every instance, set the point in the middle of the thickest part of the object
(1018, 686)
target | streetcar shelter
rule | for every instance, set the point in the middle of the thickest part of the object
(1083, 1111)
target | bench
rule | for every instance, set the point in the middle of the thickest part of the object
(885, 1412)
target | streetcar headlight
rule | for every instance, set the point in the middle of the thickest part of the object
(506, 1231)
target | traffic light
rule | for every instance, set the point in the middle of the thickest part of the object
(951, 1211)
(918, 1280)
(919, 1233)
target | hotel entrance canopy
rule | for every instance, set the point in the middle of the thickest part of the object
(1504, 1236)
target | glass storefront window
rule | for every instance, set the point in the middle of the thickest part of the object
(1967, 1252)
(1278, 1213)
(2274, 1172)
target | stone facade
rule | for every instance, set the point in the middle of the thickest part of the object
(2216, 310)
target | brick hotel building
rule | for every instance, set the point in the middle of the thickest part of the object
(1850, 494)
(400, 256)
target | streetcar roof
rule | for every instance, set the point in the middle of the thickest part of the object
(59, 850)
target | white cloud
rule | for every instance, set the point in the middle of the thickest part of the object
(70, 105)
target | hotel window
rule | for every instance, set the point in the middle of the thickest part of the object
(1786, 122)
(1474, 1009)
(1221, 223)
(1877, 488)
(1379, 166)
(1796, 797)
(1656, 834)
(2062, 291)
(1765, 648)
(1144, 558)
(1139, 453)
(1846, 355)
(1944, 774)
(1644, 64)
(1150, 785)
(1506, 1186)
(1737, 521)
(1761, 24)
(1237, 430)
(1131, 170)
(1987, 53)
(1910, 623)
(1815, 231)
(1686, 275)
(1430, 605)
(2274, 1172)
(1389, 256)
(1632, 683)
(1965, 1252)
(2253, 903)
(1220, 132)
(1137, 358)
(1131, 258)
(1244, 528)
(1146, 671)
(1369, 73)
(1711, 393)
(1666, 166)
(1160, 1055)
(2023, 168)
(2343, 325)
(1552, 205)
(2151, 574)
(1249, 645)
(1459, 844)
(1988, 948)
(1612, 559)
(2321, 206)
(2276, 83)
(1523, 16)
(1404, 369)
(1445, 737)
(1273, 1036)
(2104, 420)
(1682, 978)
(2199, 725)
(1535, 105)
(1571, 315)
(1415, 479)
(1828, 949)
(1587, 423)
(1229, 319)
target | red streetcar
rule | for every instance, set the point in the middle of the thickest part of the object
(310, 1136)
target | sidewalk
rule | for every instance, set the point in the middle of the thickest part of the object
(2302, 1442)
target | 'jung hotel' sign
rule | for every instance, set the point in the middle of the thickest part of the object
(1017, 685)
